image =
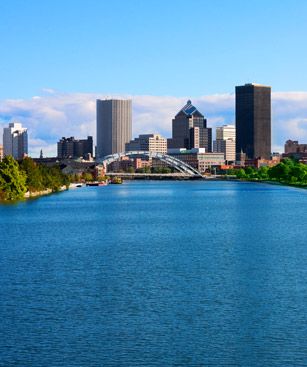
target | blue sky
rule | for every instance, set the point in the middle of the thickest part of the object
(169, 47)
(58, 56)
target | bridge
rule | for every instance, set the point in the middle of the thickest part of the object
(180, 166)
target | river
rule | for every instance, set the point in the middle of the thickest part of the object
(155, 274)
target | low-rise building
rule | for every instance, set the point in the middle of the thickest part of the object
(293, 146)
(1, 152)
(198, 158)
(259, 162)
(126, 163)
(300, 156)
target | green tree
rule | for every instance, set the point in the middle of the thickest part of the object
(263, 173)
(241, 173)
(34, 181)
(53, 178)
(12, 180)
(87, 176)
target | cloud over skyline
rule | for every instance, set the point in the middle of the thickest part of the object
(54, 114)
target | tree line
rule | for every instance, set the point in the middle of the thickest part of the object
(288, 171)
(18, 177)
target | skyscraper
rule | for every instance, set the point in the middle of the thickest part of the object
(189, 130)
(226, 142)
(253, 121)
(114, 125)
(15, 140)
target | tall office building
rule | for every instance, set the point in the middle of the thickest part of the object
(15, 140)
(114, 125)
(253, 121)
(189, 130)
(225, 142)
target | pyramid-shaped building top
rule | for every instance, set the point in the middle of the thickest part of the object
(189, 110)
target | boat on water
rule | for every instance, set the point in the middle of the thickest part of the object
(75, 185)
(96, 183)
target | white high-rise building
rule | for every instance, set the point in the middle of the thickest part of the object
(226, 142)
(15, 140)
(114, 126)
(226, 132)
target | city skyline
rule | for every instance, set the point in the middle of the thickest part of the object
(52, 115)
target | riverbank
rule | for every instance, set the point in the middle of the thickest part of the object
(36, 194)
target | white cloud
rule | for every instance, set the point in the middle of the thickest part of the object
(53, 114)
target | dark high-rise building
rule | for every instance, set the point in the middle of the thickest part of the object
(114, 126)
(189, 130)
(253, 121)
(73, 148)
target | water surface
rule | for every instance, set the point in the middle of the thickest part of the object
(155, 274)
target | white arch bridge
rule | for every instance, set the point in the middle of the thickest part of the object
(171, 161)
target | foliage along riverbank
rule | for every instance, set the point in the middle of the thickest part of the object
(287, 172)
(18, 178)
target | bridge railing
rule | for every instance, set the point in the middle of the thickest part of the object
(172, 161)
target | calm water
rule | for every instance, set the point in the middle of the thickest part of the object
(155, 274)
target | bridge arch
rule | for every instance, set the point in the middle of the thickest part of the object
(171, 161)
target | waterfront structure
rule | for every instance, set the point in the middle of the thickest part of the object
(114, 125)
(189, 130)
(15, 140)
(75, 148)
(226, 142)
(1, 152)
(292, 146)
(198, 158)
(148, 143)
(253, 121)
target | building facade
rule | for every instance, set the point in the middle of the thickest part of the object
(292, 146)
(226, 142)
(148, 143)
(189, 130)
(253, 121)
(15, 140)
(198, 158)
(1, 152)
(114, 126)
(75, 148)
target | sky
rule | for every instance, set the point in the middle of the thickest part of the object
(57, 57)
